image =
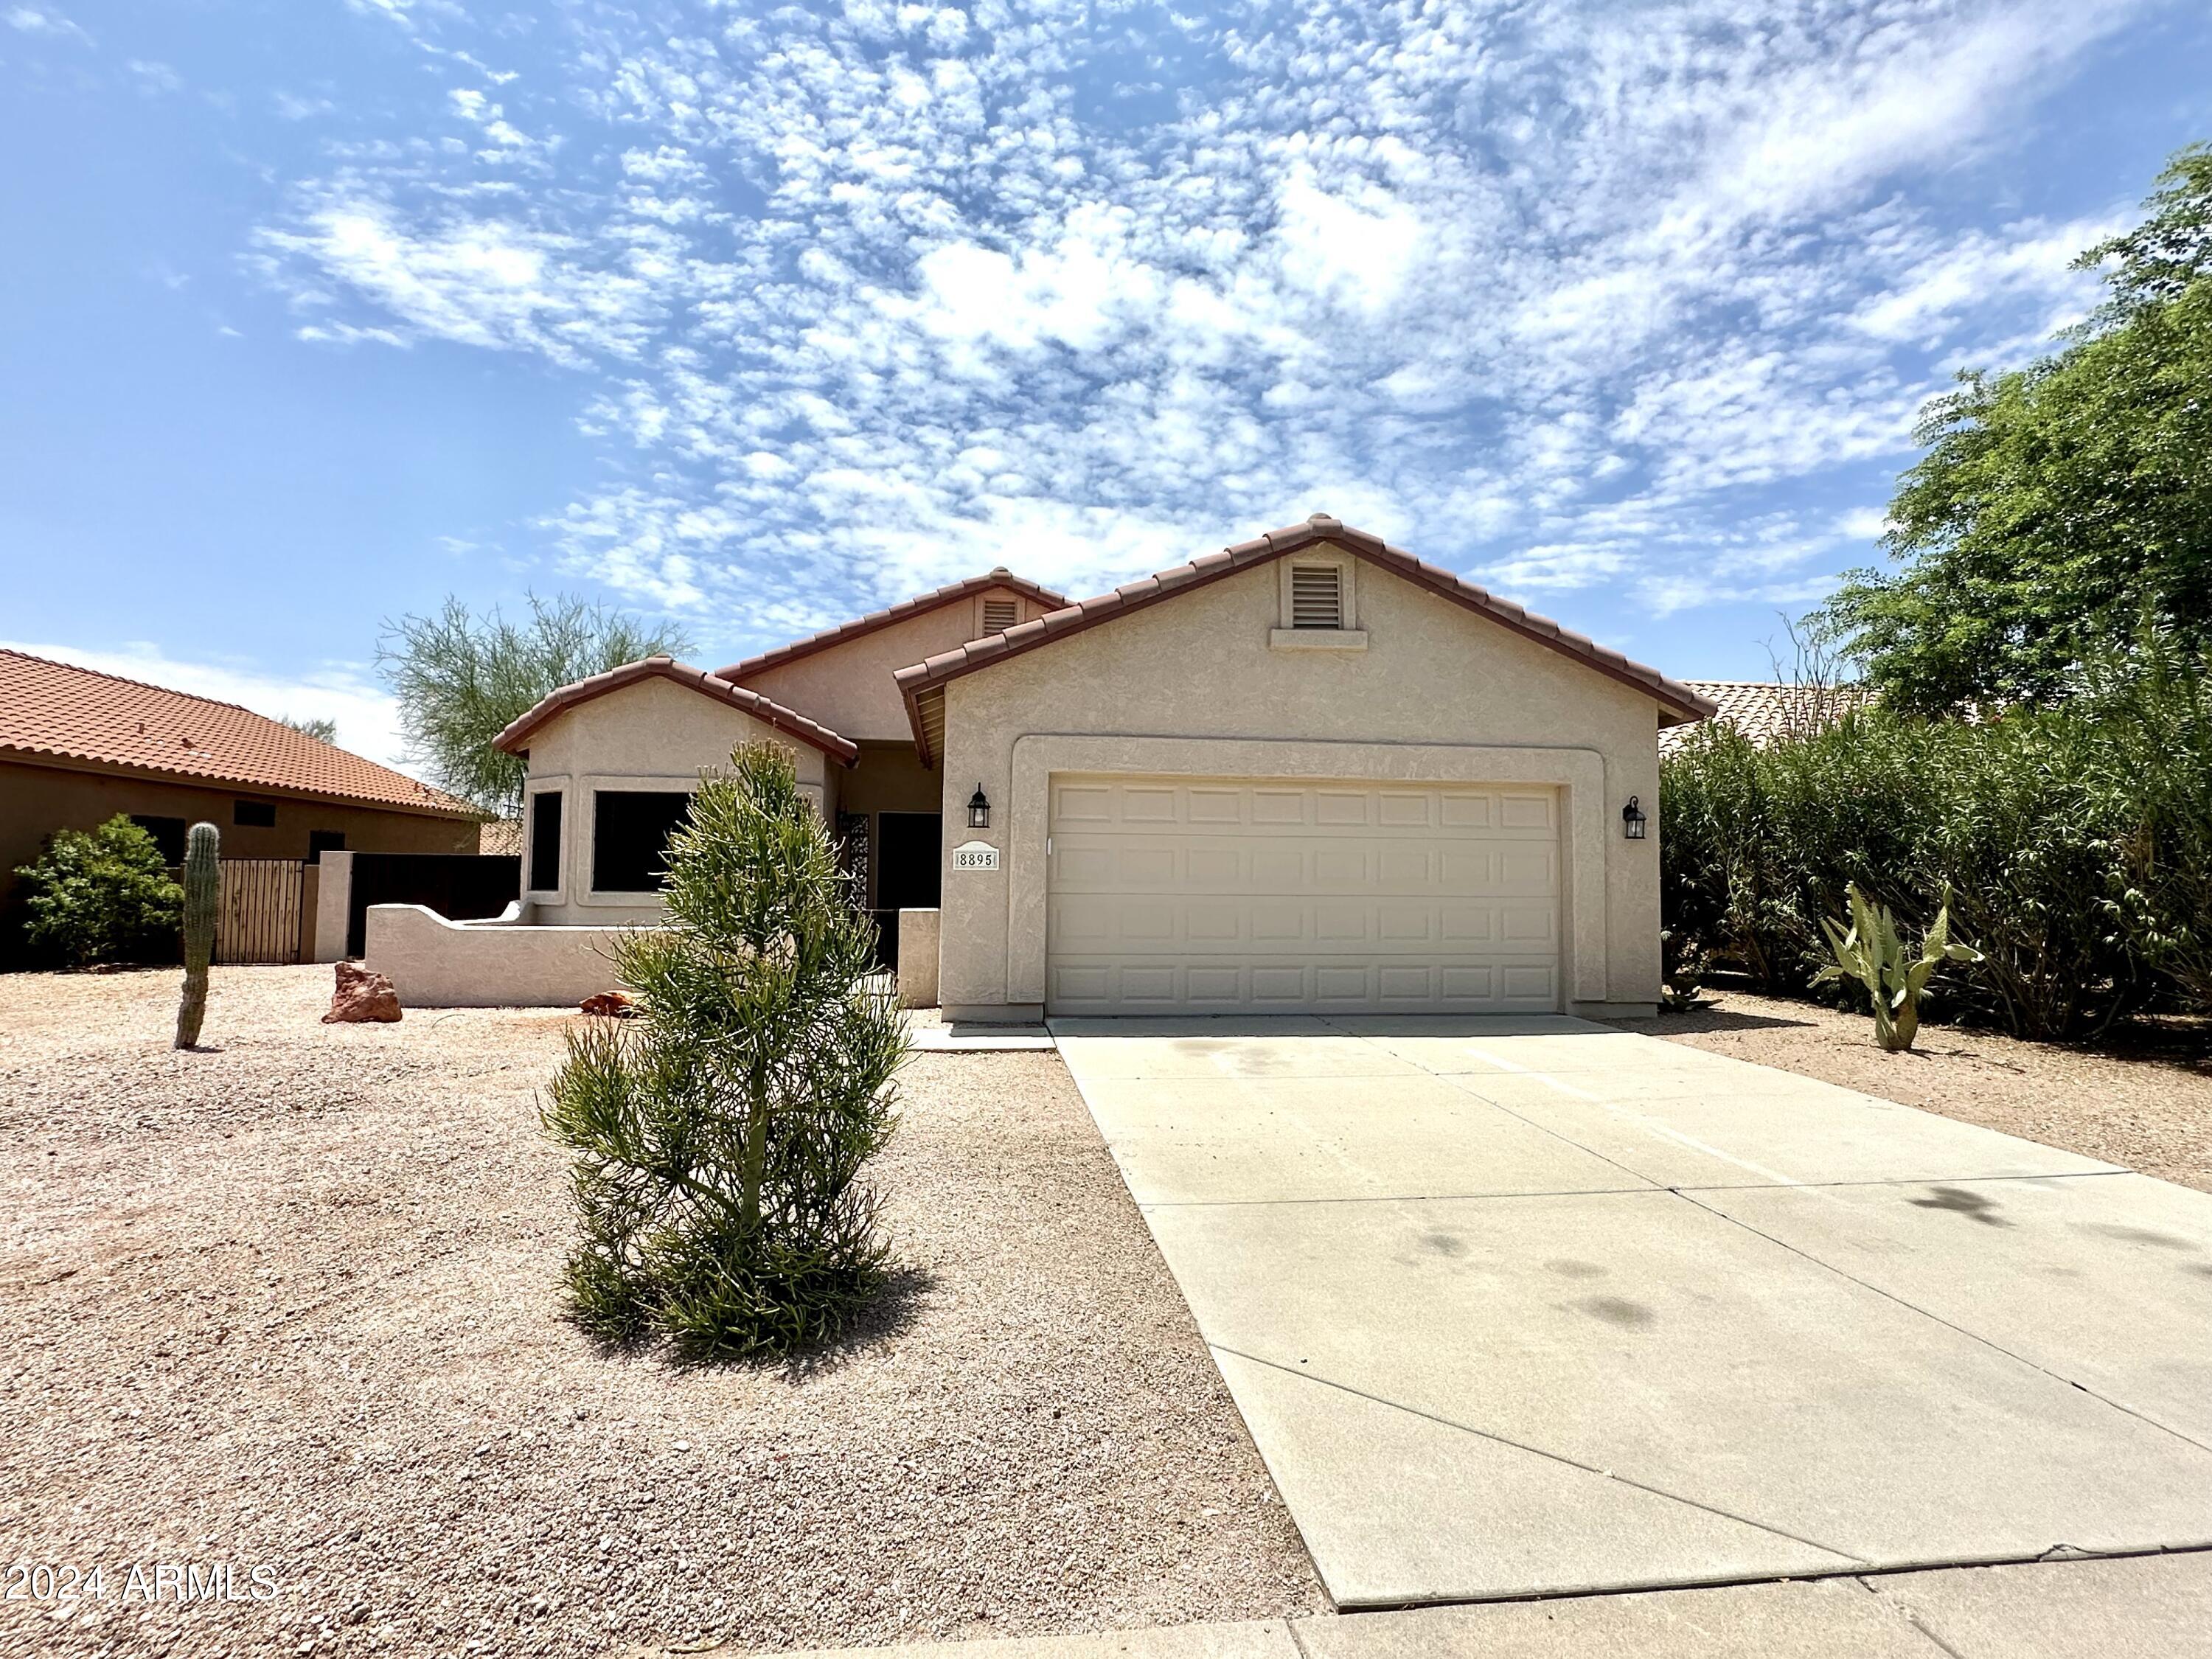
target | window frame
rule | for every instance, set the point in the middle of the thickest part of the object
(240, 804)
(558, 787)
(583, 843)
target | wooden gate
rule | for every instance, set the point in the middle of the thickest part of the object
(258, 910)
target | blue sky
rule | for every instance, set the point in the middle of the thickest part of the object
(319, 310)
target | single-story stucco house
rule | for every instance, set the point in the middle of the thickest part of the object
(1309, 772)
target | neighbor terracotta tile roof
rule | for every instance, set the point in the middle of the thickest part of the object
(998, 577)
(56, 709)
(516, 738)
(1764, 710)
(1674, 698)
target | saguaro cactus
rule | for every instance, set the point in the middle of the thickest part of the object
(201, 884)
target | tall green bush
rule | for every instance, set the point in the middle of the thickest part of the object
(2077, 841)
(101, 896)
(719, 1137)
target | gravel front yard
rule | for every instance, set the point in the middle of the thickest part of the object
(295, 1304)
(2150, 1110)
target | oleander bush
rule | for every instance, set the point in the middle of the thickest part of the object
(100, 895)
(719, 1136)
(2076, 840)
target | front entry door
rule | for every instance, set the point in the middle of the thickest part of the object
(909, 860)
(909, 871)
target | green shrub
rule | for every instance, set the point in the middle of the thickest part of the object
(719, 1136)
(2076, 840)
(101, 896)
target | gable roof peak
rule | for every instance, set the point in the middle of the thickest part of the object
(1679, 702)
(920, 604)
(515, 739)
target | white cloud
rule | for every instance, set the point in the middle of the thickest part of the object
(368, 718)
(44, 20)
(154, 78)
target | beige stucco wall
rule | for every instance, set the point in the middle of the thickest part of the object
(1438, 692)
(848, 687)
(432, 962)
(917, 964)
(653, 734)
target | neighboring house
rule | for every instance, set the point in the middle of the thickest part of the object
(1306, 773)
(1764, 710)
(78, 747)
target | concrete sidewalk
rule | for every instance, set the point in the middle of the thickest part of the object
(2137, 1607)
(1540, 1308)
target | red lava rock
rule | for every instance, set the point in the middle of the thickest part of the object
(361, 996)
(615, 1005)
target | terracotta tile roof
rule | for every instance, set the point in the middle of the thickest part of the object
(516, 738)
(500, 837)
(1675, 699)
(920, 604)
(58, 710)
(1764, 710)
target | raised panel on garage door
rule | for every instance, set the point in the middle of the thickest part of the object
(1229, 895)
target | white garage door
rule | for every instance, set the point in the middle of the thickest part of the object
(1229, 894)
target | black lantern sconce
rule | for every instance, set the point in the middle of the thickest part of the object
(979, 810)
(1633, 820)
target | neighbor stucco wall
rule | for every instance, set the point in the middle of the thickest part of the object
(653, 734)
(1433, 676)
(848, 687)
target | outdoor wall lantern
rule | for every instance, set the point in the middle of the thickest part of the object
(979, 810)
(1633, 820)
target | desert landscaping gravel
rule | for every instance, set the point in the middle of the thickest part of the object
(294, 1304)
(2143, 1099)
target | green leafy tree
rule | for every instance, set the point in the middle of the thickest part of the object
(101, 896)
(462, 678)
(2062, 507)
(320, 727)
(720, 1135)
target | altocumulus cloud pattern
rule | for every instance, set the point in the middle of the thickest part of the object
(861, 297)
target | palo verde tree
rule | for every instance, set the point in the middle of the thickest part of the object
(719, 1137)
(462, 678)
(2061, 509)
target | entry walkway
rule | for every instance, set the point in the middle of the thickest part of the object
(1536, 1307)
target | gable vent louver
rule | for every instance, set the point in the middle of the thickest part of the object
(999, 615)
(1317, 596)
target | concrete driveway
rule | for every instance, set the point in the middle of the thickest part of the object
(1533, 1306)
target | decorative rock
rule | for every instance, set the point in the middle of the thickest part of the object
(361, 996)
(614, 1004)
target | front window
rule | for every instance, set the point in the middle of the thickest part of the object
(545, 841)
(631, 828)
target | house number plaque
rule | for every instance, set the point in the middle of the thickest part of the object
(975, 855)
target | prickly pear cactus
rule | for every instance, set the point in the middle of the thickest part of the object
(201, 885)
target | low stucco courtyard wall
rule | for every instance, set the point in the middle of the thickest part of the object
(917, 958)
(505, 964)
